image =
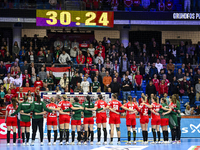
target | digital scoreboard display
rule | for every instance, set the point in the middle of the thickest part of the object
(64, 18)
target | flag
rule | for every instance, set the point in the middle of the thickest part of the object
(58, 71)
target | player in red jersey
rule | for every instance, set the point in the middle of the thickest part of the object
(132, 109)
(144, 119)
(11, 120)
(64, 118)
(101, 118)
(155, 117)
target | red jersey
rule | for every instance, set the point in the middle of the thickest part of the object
(20, 96)
(38, 83)
(156, 107)
(138, 79)
(14, 73)
(64, 105)
(80, 59)
(130, 114)
(13, 91)
(162, 6)
(163, 89)
(9, 97)
(96, 4)
(156, 83)
(166, 81)
(94, 70)
(24, 76)
(173, 105)
(168, 5)
(102, 53)
(128, 3)
(51, 115)
(89, 60)
(10, 109)
(133, 68)
(101, 104)
(115, 3)
(143, 110)
(114, 104)
(136, 3)
(87, 70)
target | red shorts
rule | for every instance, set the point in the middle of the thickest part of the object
(25, 124)
(76, 122)
(164, 122)
(89, 120)
(114, 119)
(101, 119)
(131, 122)
(11, 121)
(52, 121)
(155, 121)
(144, 119)
(64, 119)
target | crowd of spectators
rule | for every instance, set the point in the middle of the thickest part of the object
(102, 67)
(115, 5)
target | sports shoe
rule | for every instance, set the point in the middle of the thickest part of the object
(61, 143)
(32, 143)
(23, 144)
(105, 143)
(98, 143)
(134, 142)
(159, 142)
(41, 143)
(67, 143)
(168, 142)
(174, 142)
(72, 143)
(14, 144)
(8, 144)
(146, 142)
(49, 144)
(178, 142)
(27, 144)
(91, 143)
(118, 143)
(79, 143)
(128, 143)
(153, 142)
(54, 143)
(85, 143)
(111, 143)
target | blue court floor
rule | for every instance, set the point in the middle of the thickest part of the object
(186, 144)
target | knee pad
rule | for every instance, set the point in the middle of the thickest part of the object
(118, 129)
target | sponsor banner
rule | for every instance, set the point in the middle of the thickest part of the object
(190, 128)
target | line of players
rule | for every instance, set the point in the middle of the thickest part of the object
(160, 115)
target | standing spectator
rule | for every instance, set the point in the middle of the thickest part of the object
(3, 70)
(48, 57)
(156, 82)
(58, 43)
(91, 50)
(114, 4)
(169, 5)
(15, 50)
(124, 65)
(162, 88)
(86, 69)
(73, 52)
(191, 95)
(138, 81)
(153, 70)
(161, 6)
(2, 94)
(107, 81)
(85, 85)
(126, 87)
(67, 45)
(118, 78)
(187, 5)
(96, 4)
(64, 58)
(88, 78)
(128, 5)
(42, 74)
(129, 49)
(99, 57)
(136, 5)
(189, 111)
(158, 65)
(150, 89)
(18, 81)
(197, 89)
(170, 66)
(99, 65)
(141, 69)
(95, 85)
(75, 79)
(57, 54)
(115, 86)
(181, 52)
(116, 66)
(145, 4)
(22, 53)
(64, 81)
(7, 57)
(153, 5)
(89, 59)
(184, 86)
(27, 80)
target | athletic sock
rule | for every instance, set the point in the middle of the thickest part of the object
(8, 136)
(61, 135)
(173, 134)
(105, 134)
(23, 138)
(49, 135)
(73, 136)
(14, 137)
(55, 135)
(111, 139)
(167, 134)
(158, 133)
(27, 136)
(143, 135)
(118, 139)
(99, 134)
(146, 135)
(67, 135)
(154, 135)
(164, 135)
(134, 135)
(129, 135)
(85, 136)
(92, 135)
(79, 136)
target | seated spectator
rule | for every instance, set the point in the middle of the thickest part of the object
(38, 82)
(24, 75)
(158, 65)
(100, 65)
(18, 81)
(64, 81)
(153, 70)
(67, 89)
(153, 5)
(49, 82)
(7, 58)
(42, 74)
(189, 111)
(86, 69)
(95, 85)
(184, 86)
(198, 110)
(1, 56)
(150, 89)
(15, 51)
(44, 88)
(48, 57)
(75, 79)
(170, 76)
(89, 59)
(197, 89)
(64, 58)
(136, 5)
(22, 53)
(57, 89)
(161, 6)
(168, 5)
(145, 4)
(8, 77)
(107, 81)
(115, 86)
(78, 88)
(156, 82)
(57, 53)
(179, 75)
(6, 84)
(128, 4)
(41, 52)
(170, 66)
(88, 78)
(133, 67)
(27, 80)
(138, 81)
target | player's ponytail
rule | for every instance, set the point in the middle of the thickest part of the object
(25, 98)
(130, 99)
(76, 99)
(14, 102)
(174, 99)
(100, 96)
(164, 100)
(114, 96)
(38, 98)
(88, 99)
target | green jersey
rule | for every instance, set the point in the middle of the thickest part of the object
(88, 113)
(95, 86)
(48, 81)
(178, 108)
(37, 108)
(77, 115)
(162, 111)
(23, 106)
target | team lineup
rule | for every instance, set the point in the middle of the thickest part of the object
(164, 114)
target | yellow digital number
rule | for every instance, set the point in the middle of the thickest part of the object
(91, 16)
(65, 18)
(53, 16)
(104, 19)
